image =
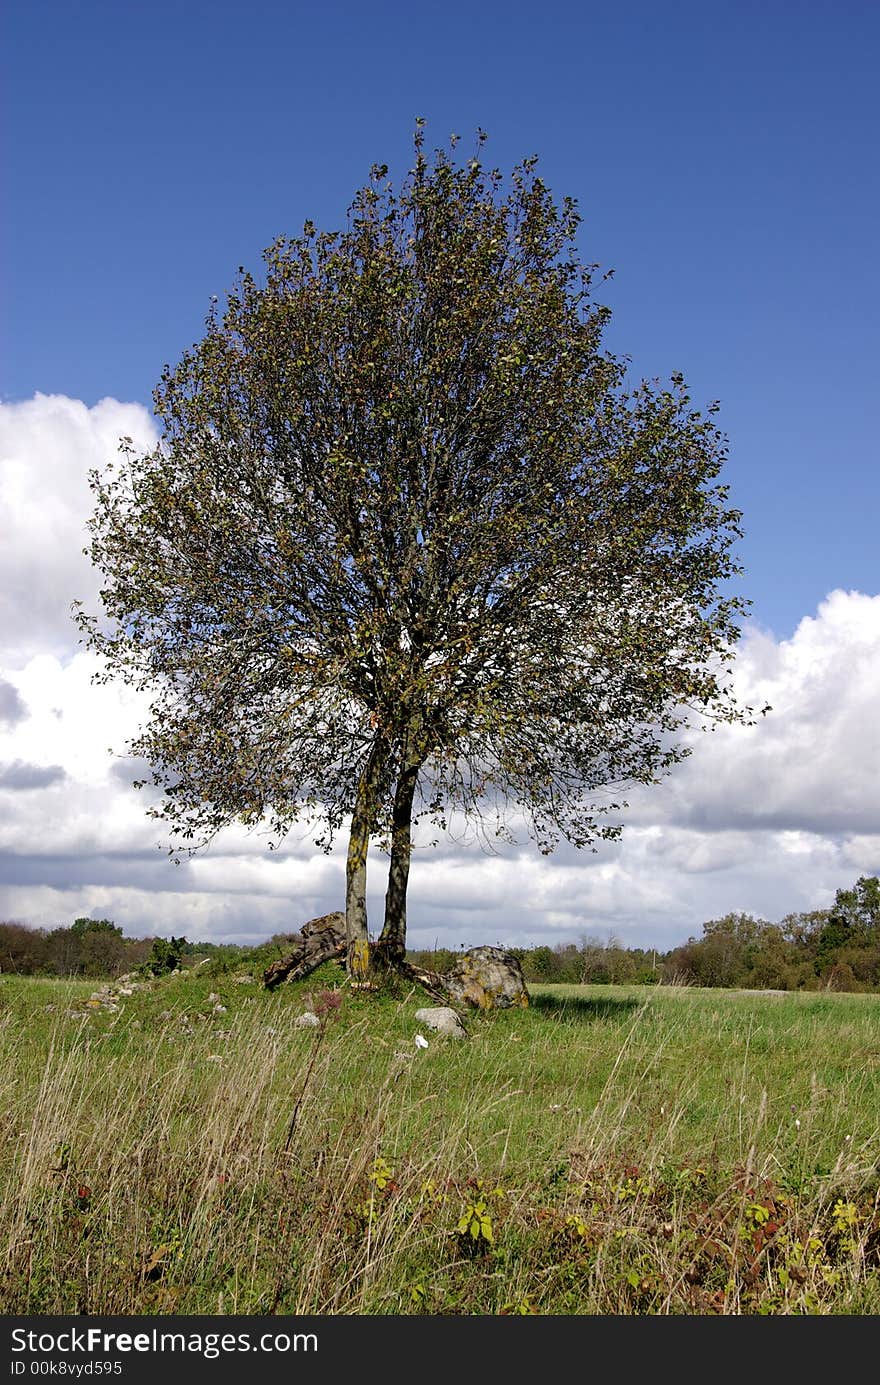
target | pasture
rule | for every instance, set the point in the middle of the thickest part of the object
(607, 1151)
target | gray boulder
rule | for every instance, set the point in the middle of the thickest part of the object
(487, 978)
(442, 1019)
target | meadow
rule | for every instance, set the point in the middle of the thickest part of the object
(189, 1148)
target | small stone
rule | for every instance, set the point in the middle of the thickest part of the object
(443, 1019)
(219, 1009)
(307, 1020)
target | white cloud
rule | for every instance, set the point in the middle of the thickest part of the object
(48, 445)
(766, 819)
(813, 763)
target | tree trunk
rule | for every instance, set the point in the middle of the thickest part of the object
(356, 934)
(393, 939)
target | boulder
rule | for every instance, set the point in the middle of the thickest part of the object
(442, 1019)
(487, 978)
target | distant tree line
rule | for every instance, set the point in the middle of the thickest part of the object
(590, 962)
(89, 948)
(826, 949)
(834, 949)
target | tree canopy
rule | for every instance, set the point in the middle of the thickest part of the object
(410, 543)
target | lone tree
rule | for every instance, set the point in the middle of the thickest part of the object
(409, 545)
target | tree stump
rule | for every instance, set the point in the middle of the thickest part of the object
(319, 940)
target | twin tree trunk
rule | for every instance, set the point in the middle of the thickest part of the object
(393, 939)
(363, 816)
(392, 942)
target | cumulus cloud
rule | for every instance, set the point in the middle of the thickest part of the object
(766, 819)
(813, 763)
(48, 445)
(12, 708)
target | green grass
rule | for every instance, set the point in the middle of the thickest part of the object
(609, 1150)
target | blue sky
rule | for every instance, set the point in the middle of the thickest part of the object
(724, 156)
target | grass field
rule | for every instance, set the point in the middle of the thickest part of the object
(609, 1150)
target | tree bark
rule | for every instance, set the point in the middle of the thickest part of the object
(393, 938)
(363, 817)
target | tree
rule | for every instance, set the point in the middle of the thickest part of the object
(852, 924)
(80, 927)
(859, 908)
(22, 949)
(165, 955)
(410, 546)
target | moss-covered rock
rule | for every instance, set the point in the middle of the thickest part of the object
(487, 978)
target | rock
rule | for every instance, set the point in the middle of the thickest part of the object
(487, 978)
(443, 1019)
(306, 1021)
